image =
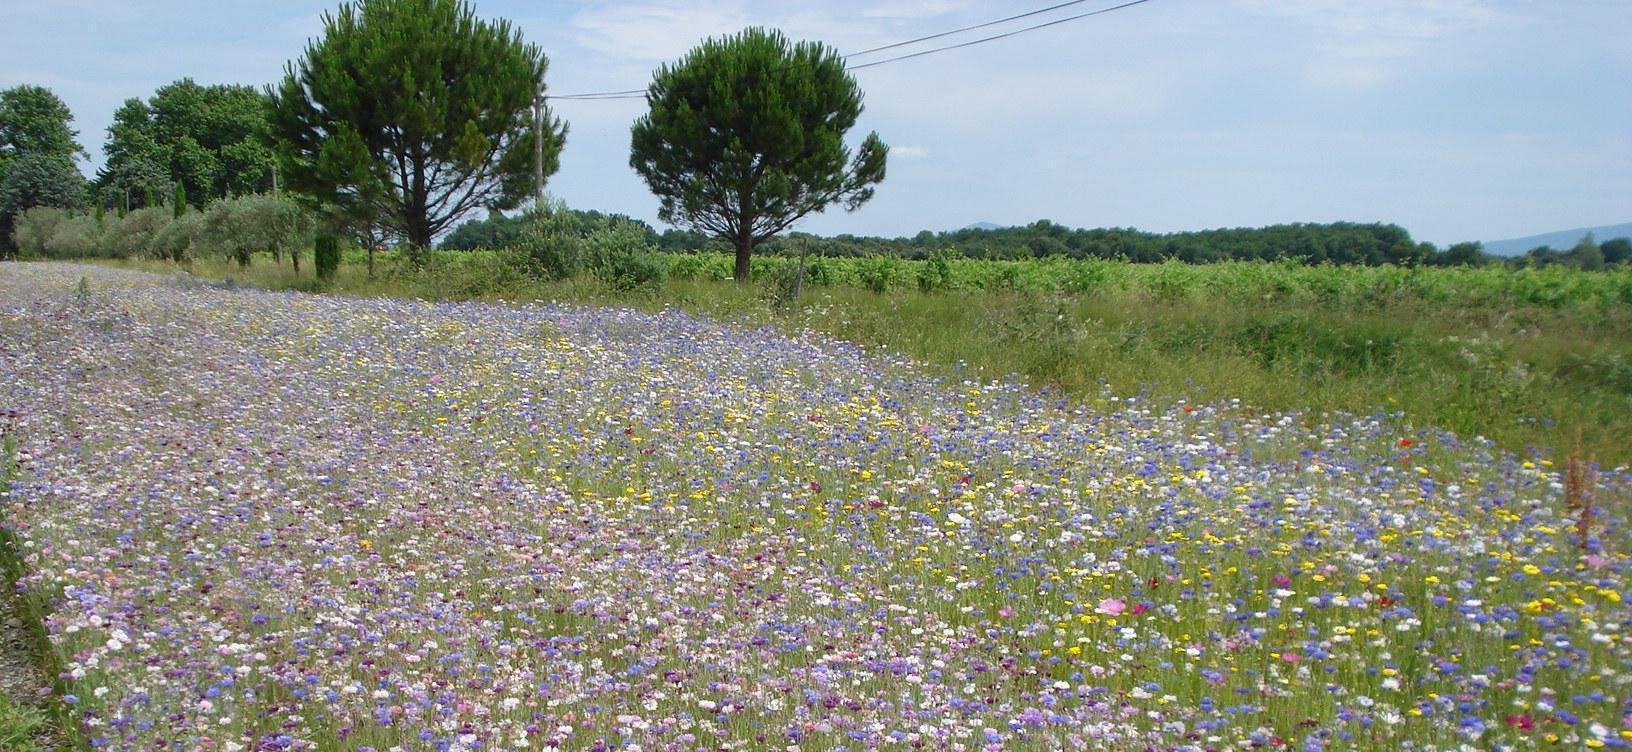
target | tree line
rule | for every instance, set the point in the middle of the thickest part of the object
(1332, 243)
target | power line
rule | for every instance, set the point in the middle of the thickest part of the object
(641, 93)
(995, 37)
(1037, 12)
(598, 94)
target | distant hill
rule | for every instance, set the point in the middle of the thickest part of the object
(984, 226)
(1559, 241)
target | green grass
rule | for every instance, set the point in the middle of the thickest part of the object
(1523, 357)
(21, 727)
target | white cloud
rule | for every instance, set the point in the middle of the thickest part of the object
(655, 31)
(1362, 45)
(914, 9)
(909, 152)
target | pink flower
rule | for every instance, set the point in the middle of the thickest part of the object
(1291, 657)
(1112, 606)
(1282, 580)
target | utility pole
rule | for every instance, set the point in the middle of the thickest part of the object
(538, 146)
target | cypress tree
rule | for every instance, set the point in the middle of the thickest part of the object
(181, 200)
(327, 252)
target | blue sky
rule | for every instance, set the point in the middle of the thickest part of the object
(1456, 119)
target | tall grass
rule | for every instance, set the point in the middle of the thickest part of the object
(1523, 357)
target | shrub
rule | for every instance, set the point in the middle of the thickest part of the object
(75, 237)
(818, 271)
(559, 243)
(183, 238)
(935, 273)
(879, 273)
(552, 239)
(37, 180)
(620, 255)
(135, 235)
(35, 227)
(689, 265)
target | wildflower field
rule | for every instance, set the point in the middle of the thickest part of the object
(276, 521)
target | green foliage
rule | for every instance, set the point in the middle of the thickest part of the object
(745, 136)
(180, 203)
(234, 228)
(209, 141)
(1586, 254)
(129, 184)
(136, 235)
(1617, 250)
(1462, 254)
(37, 180)
(936, 271)
(76, 236)
(494, 231)
(619, 254)
(559, 243)
(413, 113)
(879, 273)
(34, 121)
(240, 226)
(184, 238)
(22, 728)
(552, 242)
(34, 228)
(326, 253)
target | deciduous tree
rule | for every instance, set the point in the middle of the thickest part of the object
(34, 121)
(211, 139)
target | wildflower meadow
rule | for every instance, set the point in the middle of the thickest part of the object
(279, 521)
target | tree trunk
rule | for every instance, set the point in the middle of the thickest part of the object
(294, 257)
(745, 252)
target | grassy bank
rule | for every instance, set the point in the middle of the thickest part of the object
(1526, 358)
(23, 727)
